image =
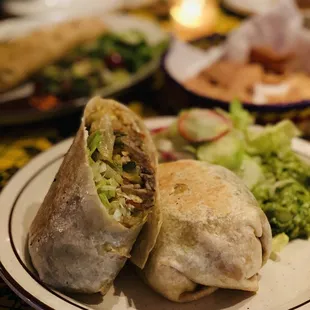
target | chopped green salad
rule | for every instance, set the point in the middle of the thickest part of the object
(111, 59)
(262, 157)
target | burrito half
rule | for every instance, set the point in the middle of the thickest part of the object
(213, 235)
(103, 193)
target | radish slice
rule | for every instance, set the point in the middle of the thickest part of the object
(173, 156)
(202, 125)
(168, 156)
(158, 130)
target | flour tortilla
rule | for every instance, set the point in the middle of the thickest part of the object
(75, 245)
(214, 235)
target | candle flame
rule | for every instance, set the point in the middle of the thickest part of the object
(189, 13)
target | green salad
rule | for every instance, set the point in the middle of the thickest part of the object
(112, 58)
(262, 157)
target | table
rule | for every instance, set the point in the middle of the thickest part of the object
(21, 143)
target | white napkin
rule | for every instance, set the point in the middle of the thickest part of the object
(280, 29)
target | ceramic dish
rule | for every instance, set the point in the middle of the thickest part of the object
(248, 7)
(185, 61)
(283, 285)
(251, 7)
(31, 7)
(20, 110)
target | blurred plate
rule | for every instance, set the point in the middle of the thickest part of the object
(19, 110)
(284, 285)
(248, 7)
(30, 7)
(184, 61)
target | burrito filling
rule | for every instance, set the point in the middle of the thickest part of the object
(122, 173)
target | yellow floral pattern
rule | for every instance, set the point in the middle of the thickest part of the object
(15, 154)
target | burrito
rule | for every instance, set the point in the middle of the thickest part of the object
(25, 55)
(102, 195)
(213, 234)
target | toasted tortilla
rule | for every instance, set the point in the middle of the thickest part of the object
(214, 235)
(24, 56)
(74, 244)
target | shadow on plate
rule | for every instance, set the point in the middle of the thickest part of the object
(129, 291)
(139, 296)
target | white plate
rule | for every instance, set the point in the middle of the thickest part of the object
(185, 61)
(249, 7)
(31, 7)
(284, 285)
(115, 22)
(34, 7)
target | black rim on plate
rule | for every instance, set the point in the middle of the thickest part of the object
(16, 287)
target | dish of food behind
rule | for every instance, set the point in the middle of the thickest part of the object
(260, 63)
(262, 83)
(105, 64)
(21, 199)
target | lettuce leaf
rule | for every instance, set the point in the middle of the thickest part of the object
(241, 118)
(275, 138)
(251, 171)
(93, 142)
(227, 151)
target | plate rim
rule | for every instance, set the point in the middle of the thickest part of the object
(60, 150)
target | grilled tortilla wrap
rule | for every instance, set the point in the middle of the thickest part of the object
(103, 193)
(24, 56)
(213, 235)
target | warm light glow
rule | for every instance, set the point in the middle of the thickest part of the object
(189, 13)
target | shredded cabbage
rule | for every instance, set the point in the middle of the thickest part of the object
(279, 242)
(109, 171)
(241, 118)
(93, 142)
(275, 138)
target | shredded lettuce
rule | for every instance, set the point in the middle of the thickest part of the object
(93, 142)
(279, 242)
(275, 138)
(227, 151)
(251, 171)
(104, 200)
(110, 166)
(241, 118)
(103, 127)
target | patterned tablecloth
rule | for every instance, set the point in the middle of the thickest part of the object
(20, 144)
